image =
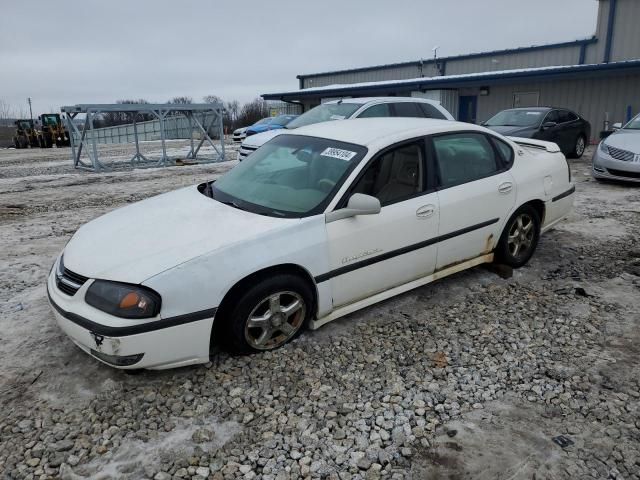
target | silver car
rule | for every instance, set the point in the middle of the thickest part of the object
(618, 156)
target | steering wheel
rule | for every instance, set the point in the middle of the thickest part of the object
(326, 185)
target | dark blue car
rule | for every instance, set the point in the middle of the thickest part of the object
(271, 123)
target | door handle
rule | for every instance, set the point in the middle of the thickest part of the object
(425, 211)
(505, 187)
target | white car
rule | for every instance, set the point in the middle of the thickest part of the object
(239, 134)
(618, 156)
(370, 107)
(318, 223)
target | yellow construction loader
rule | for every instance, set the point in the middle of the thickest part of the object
(52, 131)
(26, 135)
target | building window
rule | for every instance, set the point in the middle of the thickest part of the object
(526, 99)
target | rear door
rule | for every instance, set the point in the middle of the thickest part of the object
(476, 192)
(372, 253)
(570, 127)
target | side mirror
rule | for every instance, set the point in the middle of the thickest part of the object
(617, 126)
(359, 204)
(547, 125)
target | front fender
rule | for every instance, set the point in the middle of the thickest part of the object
(202, 282)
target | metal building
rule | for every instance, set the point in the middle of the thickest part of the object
(598, 77)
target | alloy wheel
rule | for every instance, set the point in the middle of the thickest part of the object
(521, 235)
(275, 320)
(580, 145)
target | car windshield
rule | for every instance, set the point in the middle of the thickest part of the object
(283, 119)
(263, 121)
(516, 118)
(289, 176)
(324, 113)
(634, 124)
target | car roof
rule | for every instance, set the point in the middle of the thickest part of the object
(376, 132)
(364, 100)
(539, 109)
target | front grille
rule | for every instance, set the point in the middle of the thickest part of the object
(619, 154)
(67, 281)
(622, 173)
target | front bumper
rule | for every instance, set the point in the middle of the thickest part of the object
(131, 344)
(606, 167)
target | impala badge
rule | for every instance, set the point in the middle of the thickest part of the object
(366, 253)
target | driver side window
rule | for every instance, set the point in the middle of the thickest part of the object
(394, 176)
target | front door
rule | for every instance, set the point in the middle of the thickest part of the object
(467, 108)
(552, 134)
(475, 195)
(372, 253)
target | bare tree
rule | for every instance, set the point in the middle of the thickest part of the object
(212, 99)
(183, 99)
(110, 119)
(233, 107)
(6, 111)
(252, 112)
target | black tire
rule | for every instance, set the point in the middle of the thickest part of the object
(579, 146)
(236, 335)
(16, 143)
(507, 253)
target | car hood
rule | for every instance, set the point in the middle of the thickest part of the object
(625, 140)
(512, 131)
(240, 131)
(136, 242)
(260, 139)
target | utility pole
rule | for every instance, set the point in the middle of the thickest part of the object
(30, 112)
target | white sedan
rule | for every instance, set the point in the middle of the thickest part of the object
(316, 224)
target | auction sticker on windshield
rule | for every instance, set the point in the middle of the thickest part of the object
(338, 153)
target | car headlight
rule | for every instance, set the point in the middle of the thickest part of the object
(123, 300)
(603, 147)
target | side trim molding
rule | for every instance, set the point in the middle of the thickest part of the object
(565, 194)
(133, 329)
(401, 251)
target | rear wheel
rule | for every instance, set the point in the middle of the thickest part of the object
(579, 147)
(268, 315)
(519, 238)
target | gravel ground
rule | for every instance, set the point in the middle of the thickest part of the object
(470, 377)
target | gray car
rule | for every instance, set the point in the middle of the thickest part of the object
(618, 156)
(561, 126)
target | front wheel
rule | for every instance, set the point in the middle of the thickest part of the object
(519, 238)
(268, 315)
(579, 147)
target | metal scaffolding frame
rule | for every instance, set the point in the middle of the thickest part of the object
(211, 117)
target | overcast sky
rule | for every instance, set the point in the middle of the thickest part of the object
(90, 51)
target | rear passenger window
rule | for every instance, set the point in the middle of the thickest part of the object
(506, 152)
(464, 157)
(407, 109)
(381, 110)
(431, 112)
